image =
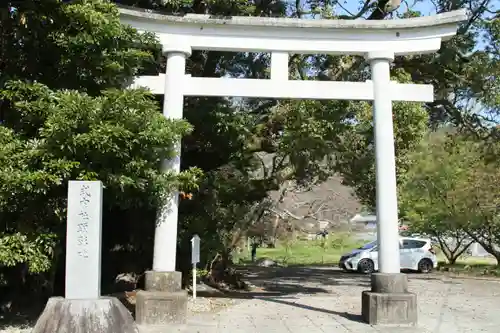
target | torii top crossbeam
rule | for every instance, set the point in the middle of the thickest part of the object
(282, 36)
(405, 36)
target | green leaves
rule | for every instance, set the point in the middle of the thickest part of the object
(355, 155)
(78, 45)
(450, 192)
(65, 115)
(120, 138)
(35, 251)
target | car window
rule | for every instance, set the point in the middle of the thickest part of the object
(368, 246)
(413, 244)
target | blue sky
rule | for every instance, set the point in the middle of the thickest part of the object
(424, 6)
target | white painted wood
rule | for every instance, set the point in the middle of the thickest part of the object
(235, 22)
(198, 86)
(302, 89)
(385, 164)
(165, 245)
(299, 45)
(154, 83)
(83, 240)
(408, 36)
(279, 66)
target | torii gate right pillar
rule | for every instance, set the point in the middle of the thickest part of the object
(389, 301)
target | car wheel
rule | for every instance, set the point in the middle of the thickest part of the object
(366, 266)
(425, 266)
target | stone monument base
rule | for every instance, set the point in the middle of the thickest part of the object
(103, 315)
(163, 303)
(389, 302)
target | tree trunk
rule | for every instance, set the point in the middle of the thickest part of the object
(452, 254)
(497, 257)
(53, 272)
(275, 230)
(487, 245)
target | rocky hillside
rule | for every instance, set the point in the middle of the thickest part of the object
(327, 205)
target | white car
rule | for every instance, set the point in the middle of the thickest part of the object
(415, 254)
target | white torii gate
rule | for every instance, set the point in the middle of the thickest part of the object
(378, 41)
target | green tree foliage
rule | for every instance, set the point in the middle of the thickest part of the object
(355, 158)
(65, 116)
(450, 193)
(426, 198)
(463, 71)
(488, 93)
(478, 199)
(80, 45)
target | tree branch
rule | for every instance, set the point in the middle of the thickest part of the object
(383, 8)
(362, 11)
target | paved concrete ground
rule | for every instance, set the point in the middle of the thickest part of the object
(312, 300)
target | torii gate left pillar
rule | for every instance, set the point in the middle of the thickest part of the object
(163, 283)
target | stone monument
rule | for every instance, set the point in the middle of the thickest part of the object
(83, 310)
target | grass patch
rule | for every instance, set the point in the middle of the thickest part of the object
(329, 251)
(472, 266)
(307, 252)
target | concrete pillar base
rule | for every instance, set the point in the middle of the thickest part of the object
(161, 308)
(163, 281)
(163, 303)
(389, 301)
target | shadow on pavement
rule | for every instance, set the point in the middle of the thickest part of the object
(320, 276)
(346, 315)
(281, 284)
(283, 281)
(272, 289)
(292, 280)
